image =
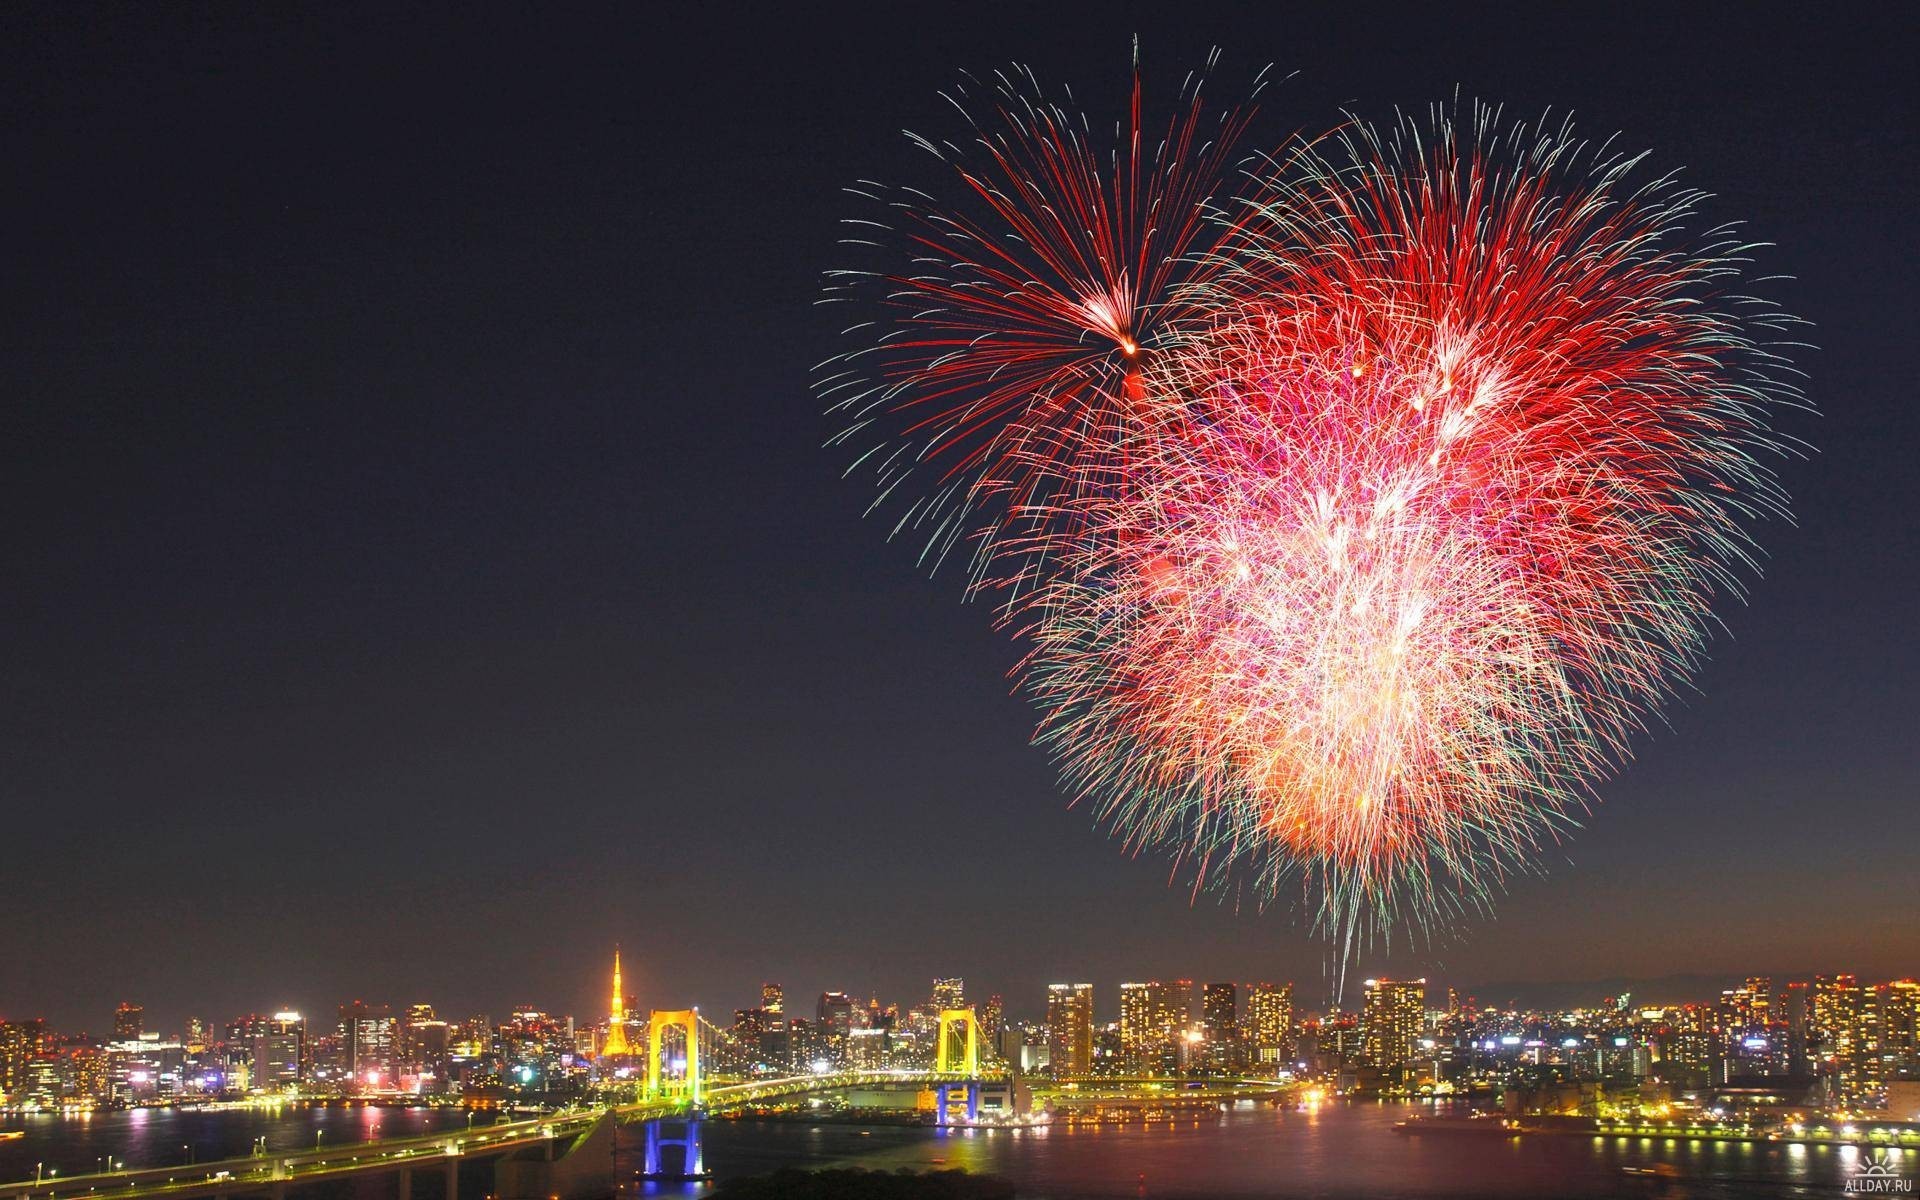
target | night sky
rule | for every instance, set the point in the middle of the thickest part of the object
(423, 569)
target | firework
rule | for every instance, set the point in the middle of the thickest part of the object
(1357, 584)
(1019, 311)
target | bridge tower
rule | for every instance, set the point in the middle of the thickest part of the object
(687, 1019)
(943, 1050)
(968, 1064)
(683, 1131)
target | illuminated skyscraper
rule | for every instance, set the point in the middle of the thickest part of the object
(428, 1042)
(834, 1024)
(1269, 1025)
(1685, 1047)
(1391, 1020)
(772, 998)
(949, 993)
(367, 1045)
(1070, 1029)
(129, 1022)
(1796, 1010)
(992, 1016)
(1220, 1024)
(20, 1043)
(835, 1011)
(1838, 1033)
(1900, 1027)
(1749, 1007)
(1153, 1019)
(279, 1044)
(868, 1048)
(1752, 1041)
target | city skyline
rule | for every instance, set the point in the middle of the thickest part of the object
(1110, 998)
(1853, 1042)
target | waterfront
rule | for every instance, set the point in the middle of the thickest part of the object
(1245, 1152)
(76, 1143)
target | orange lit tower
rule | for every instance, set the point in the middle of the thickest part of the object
(616, 1043)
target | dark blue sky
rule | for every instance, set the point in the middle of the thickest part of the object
(423, 570)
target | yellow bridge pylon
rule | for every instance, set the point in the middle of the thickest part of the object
(943, 1050)
(659, 1023)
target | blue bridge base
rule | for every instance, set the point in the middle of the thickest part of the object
(684, 1133)
(943, 1103)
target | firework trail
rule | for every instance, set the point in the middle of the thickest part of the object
(1355, 586)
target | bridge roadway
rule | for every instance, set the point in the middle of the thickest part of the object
(272, 1174)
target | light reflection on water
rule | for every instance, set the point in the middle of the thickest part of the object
(1246, 1152)
(73, 1143)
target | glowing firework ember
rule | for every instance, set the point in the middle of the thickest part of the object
(1366, 575)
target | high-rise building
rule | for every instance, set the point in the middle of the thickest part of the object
(278, 1051)
(867, 1049)
(833, 1023)
(1220, 1011)
(835, 1011)
(20, 1043)
(1900, 1027)
(129, 1022)
(748, 1025)
(1269, 1024)
(765, 1036)
(367, 1045)
(1220, 1025)
(1070, 1029)
(1838, 1034)
(772, 998)
(1752, 1040)
(145, 1068)
(1796, 1009)
(405, 1053)
(1392, 1019)
(242, 1032)
(88, 1068)
(1685, 1049)
(1747, 1007)
(949, 993)
(992, 1015)
(1153, 1022)
(428, 1042)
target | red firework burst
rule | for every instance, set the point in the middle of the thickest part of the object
(1362, 580)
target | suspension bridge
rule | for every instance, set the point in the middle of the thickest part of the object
(695, 1068)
